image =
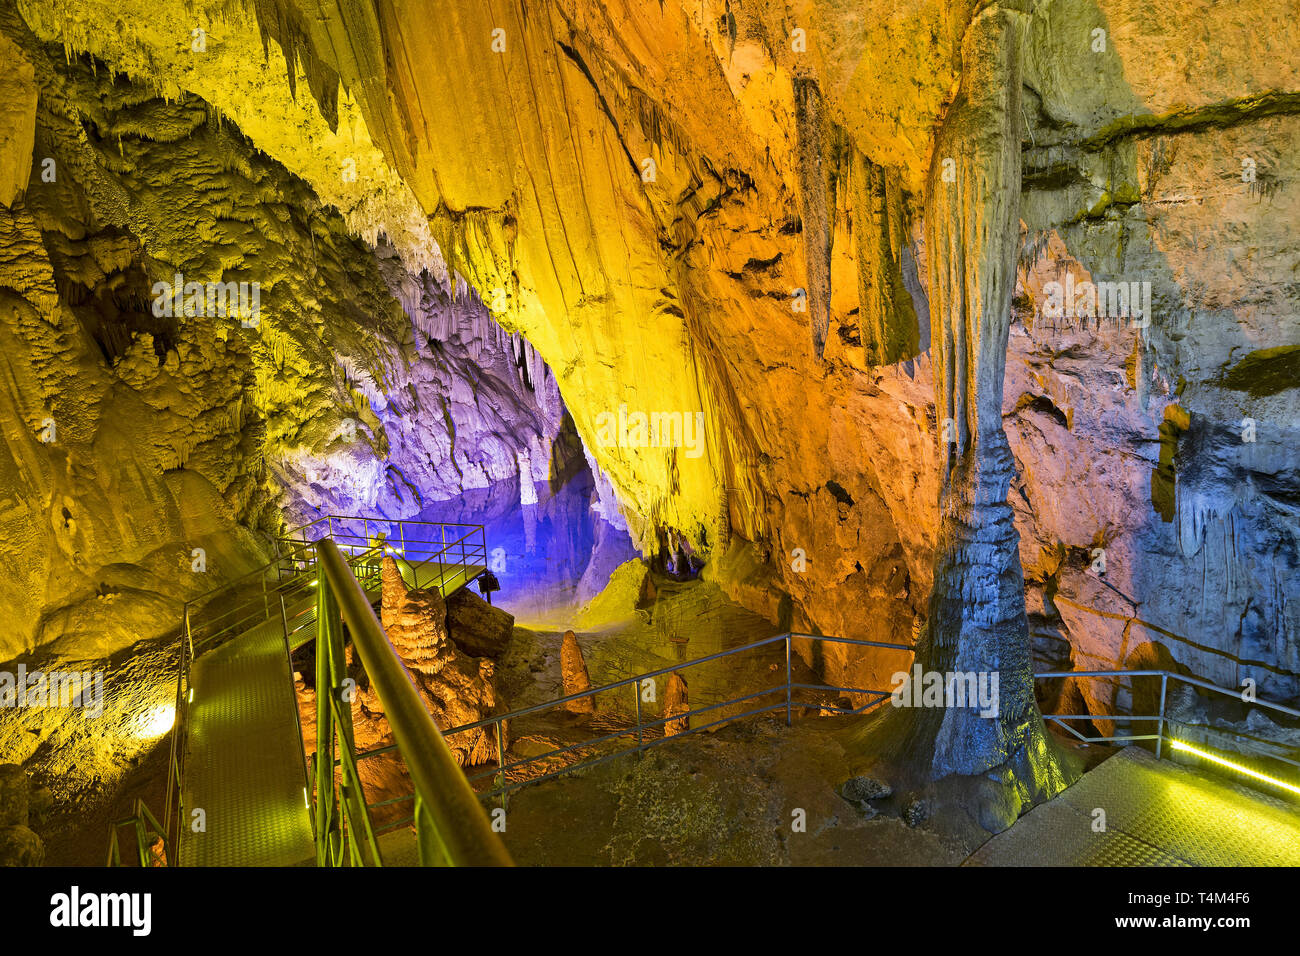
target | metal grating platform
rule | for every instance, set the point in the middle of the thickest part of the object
(450, 578)
(244, 758)
(1158, 813)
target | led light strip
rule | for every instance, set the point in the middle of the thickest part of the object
(1214, 758)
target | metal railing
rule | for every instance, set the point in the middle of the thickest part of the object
(650, 732)
(1163, 722)
(451, 826)
(457, 551)
(151, 843)
(240, 605)
(283, 587)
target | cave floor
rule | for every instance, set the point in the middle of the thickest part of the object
(1157, 813)
(688, 621)
(748, 793)
(727, 798)
(759, 793)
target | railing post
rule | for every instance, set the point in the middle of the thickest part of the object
(1160, 732)
(328, 625)
(636, 695)
(141, 839)
(787, 680)
(401, 535)
(441, 573)
(501, 765)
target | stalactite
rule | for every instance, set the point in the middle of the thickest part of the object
(815, 207)
(886, 317)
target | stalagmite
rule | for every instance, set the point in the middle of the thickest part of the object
(573, 674)
(456, 688)
(675, 703)
(527, 491)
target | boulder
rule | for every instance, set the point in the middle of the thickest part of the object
(13, 796)
(477, 627)
(861, 790)
(20, 846)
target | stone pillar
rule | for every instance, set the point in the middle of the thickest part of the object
(573, 672)
(977, 617)
(675, 703)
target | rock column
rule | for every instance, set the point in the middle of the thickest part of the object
(977, 617)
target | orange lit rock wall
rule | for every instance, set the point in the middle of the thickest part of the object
(682, 204)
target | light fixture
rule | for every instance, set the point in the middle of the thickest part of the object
(1215, 758)
(155, 722)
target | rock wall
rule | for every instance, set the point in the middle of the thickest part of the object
(717, 207)
(149, 455)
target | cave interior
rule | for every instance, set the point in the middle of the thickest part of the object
(803, 432)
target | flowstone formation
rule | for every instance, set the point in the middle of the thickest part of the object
(157, 432)
(457, 689)
(990, 349)
(154, 442)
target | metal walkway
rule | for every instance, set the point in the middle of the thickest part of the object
(1158, 813)
(244, 756)
(244, 763)
(449, 578)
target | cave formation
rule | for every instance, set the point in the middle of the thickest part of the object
(967, 330)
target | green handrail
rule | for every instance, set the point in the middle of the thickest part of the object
(148, 835)
(451, 825)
